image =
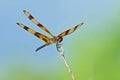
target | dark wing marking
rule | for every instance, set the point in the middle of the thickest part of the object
(69, 31)
(30, 17)
(46, 39)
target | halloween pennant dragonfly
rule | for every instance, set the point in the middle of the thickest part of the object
(46, 39)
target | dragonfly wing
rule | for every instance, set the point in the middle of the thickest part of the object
(39, 35)
(69, 31)
(30, 17)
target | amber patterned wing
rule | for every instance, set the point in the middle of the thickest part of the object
(39, 35)
(69, 31)
(30, 17)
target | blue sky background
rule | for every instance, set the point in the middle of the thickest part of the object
(18, 47)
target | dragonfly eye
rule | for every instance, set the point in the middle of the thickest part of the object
(59, 38)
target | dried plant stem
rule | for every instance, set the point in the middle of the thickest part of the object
(61, 51)
(68, 67)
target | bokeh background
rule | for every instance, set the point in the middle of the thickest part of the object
(93, 51)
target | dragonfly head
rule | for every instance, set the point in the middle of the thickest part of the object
(59, 39)
(56, 39)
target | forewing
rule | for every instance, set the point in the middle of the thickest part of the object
(39, 35)
(69, 31)
(30, 17)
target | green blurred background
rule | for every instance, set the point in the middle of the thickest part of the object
(93, 51)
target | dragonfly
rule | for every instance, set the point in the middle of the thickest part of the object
(47, 40)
